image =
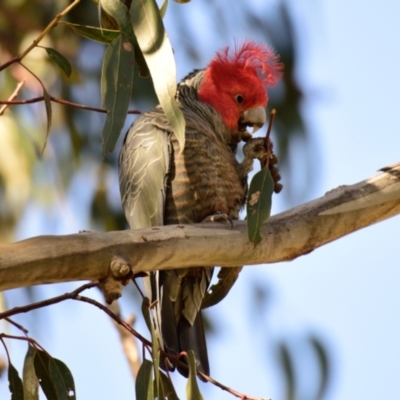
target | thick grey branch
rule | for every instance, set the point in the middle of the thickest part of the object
(48, 259)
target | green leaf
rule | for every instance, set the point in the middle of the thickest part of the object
(156, 360)
(286, 362)
(15, 384)
(226, 279)
(166, 388)
(324, 369)
(155, 344)
(120, 13)
(97, 34)
(163, 8)
(144, 382)
(146, 312)
(59, 60)
(156, 48)
(49, 113)
(259, 203)
(54, 377)
(61, 371)
(30, 380)
(192, 388)
(116, 89)
(182, 1)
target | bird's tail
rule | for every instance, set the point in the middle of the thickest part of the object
(193, 338)
(176, 334)
(182, 337)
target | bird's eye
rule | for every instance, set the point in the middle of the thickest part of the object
(239, 98)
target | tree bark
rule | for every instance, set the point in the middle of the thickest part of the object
(88, 255)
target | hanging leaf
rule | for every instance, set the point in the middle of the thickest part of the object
(226, 279)
(62, 372)
(324, 366)
(286, 362)
(15, 384)
(146, 312)
(144, 382)
(54, 377)
(97, 34)
(166, 388)
(155, 345)
(30, 380)
(116, 89)
(192, 388)
(259, 203)
(49, 113)
(59, 60)
(157, 51)
(156, 360)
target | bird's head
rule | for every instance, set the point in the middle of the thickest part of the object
(235, 84)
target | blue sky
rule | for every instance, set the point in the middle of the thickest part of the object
(347, 292)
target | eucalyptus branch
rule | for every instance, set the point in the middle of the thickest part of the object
(12, 97)
(228, 389)
(36, 41)
(33, 342)
(18, 326)
(48, 302)
(115, 317)
(60, 101)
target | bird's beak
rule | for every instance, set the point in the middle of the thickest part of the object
(254, 117)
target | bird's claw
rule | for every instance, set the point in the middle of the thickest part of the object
(219, 217)
(255, 149)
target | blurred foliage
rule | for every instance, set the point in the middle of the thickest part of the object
(70, 178)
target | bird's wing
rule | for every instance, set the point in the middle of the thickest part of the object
(143, 168)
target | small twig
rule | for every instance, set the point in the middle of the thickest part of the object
(138, 288)
(48, 302)
(6, 349)
(113, 316)
(20, 327)
(41, 35)
(33, 342)
(228, 389)
(60, 101)
(12, 97)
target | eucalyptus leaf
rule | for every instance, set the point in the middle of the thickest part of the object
(54, 377)
(324, 365)
(259, 203)
(116, 89)
(192, 387)
(30, 380)
(157, 51)
(287, 363)
(144, 382)
(166, 388)
(15, 384)
(59, 60)
(49, 114)
(97, 34)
